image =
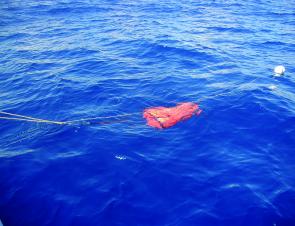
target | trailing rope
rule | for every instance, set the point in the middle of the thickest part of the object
(100, 117)
(225, 93)
(29, 120)
(18, 117)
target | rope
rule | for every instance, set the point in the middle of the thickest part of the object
(30, 120)
(38, 120)
(21, 116)
(100, 117)
(18, 117)
(27, 118)
(210, 97)
(222, 94)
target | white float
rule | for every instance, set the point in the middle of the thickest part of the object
(279, 70)
(272, 87)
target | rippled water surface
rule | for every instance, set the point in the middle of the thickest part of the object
(67, 60)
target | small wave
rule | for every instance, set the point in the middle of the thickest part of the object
(157, 50)
(231, 29)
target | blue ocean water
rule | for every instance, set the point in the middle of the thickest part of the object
(67, 60)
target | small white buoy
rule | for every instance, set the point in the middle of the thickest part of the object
(279, 70)
(272, 87)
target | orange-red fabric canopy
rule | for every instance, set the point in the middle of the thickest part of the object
(163, 117)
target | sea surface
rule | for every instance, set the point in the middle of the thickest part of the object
(234, 165)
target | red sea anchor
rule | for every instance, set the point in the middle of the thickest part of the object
(163, 117)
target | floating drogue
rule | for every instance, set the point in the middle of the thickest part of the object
(164, 117)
